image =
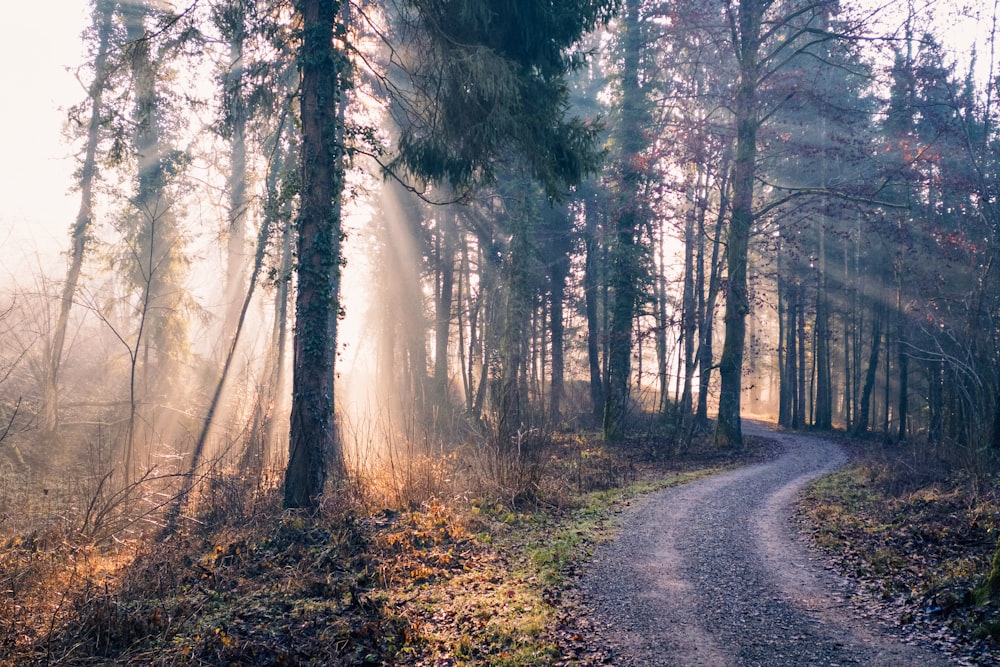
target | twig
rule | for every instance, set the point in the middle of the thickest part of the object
(10, 422)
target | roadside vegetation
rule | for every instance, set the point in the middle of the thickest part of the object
(915, 529)
(464, 572)
(458, 579)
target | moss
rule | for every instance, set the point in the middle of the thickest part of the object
(990, 629)
(990, 588)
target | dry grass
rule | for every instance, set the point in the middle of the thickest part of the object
(918, 534)
(471, 573)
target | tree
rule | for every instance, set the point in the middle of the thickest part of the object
(103, 13)
(558, 246)
(746, 26)
(498, 85)
(313, 443)
(820, 146)
(592, 292)
(231, 19)
(766, 37)
(490, 79)
(153, 260)
(630, 215)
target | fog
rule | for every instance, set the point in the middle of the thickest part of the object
(497, 288)
(36, 173)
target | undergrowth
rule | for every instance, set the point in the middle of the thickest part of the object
(918, 535)
(472, 578)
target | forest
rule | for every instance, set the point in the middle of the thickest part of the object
(336, 261)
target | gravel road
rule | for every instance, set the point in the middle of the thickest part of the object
(713, 573)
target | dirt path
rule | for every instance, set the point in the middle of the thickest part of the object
(712, 573)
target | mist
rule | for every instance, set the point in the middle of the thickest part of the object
(628, 267)
(348, 332)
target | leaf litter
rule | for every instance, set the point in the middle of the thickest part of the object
(454, 581)
(916, 540)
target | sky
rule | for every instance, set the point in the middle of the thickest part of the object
(36, 87)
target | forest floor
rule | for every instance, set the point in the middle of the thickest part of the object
(462, 580)
(457, 578)
(913, 530)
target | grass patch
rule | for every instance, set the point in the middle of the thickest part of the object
(555, 545)
(458, 581)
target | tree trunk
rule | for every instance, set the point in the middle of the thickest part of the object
(237, 121)
(487, 343)
(706, 315)
(558, 275)
(903, 361)
(625, 249)
(591, 281)
(312, 438)
(799, 419)
(279, 336)
(935, 402)
(824, 391)
(848, 317)
(617, 389)
(887, 386)
(510, 382)
(445, 296)
(729, 432)
(471, 307)
(700, 286)
(787, 314)
(689, 315)
(660, 309)
(796, 342)
(784, 395)
(103, 12)
(864, 405)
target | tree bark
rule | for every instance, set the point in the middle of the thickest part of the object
(729, 432)
(689, 314)
(591, 295)
(706, 315)
(237, 121)
(445, 297)
(849, 322)
(660, 309)
(558, 275)
(935, 402)
(864, 405)
(625, 296)
(824, 391)
(784, 403)
(800, 418)
(625, 262)
(903, 361)
(279, 346)
(312, 438)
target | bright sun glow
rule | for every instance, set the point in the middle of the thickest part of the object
(39, 49)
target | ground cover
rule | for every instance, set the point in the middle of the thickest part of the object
(915, 533)
(446, 581)
(474, 580)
